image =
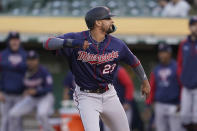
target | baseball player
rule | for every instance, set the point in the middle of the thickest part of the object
(37, 95)
(13, 67)
(93, 56)
(165, 91)
(125, 90)
(187, 63)
(69, 84)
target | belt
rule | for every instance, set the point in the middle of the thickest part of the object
(99, 90)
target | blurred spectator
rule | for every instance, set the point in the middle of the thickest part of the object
(69, 86)
(165, 91)
(37, 95)
(125, 90)
(176, 8)
(190, 1)
(195, 6)
(193, 10)
(195, 2)
(13, 67)
(187, 63)
(1, 8)
(159, 9)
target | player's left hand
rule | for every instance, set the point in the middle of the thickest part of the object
(2, 97)
(126, 106)
(178, 108)
(145, 88)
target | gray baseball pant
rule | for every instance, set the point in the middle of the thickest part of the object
(43, 106)
(129, 117)
(166, 118)
(107, 106)
(189, 106)
(10, 102)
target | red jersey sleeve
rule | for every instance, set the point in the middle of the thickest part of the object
(0, 61)
(180, 59)
(180, 64)
(153, 87)
(125, 80)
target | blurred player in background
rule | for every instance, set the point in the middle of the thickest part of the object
(37, 95)
(165, 91)
(69, 86)
(187, 70)
(125, 90)
(13, 67)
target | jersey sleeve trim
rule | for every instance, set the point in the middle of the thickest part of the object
(135, 65)
(47, 44)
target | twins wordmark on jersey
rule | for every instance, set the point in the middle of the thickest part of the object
(97, 59)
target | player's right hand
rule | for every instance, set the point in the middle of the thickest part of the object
(2, 97)
(86, 45)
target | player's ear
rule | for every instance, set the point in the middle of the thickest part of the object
(98, 23)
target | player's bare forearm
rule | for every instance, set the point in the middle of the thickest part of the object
(58, 43)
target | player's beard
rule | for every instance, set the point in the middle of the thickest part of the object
(111, 29)
(108, 30)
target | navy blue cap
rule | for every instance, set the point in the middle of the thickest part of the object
(12, 35)
(32, 55)
(193, 20)
(97, 13)
(164, 47)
